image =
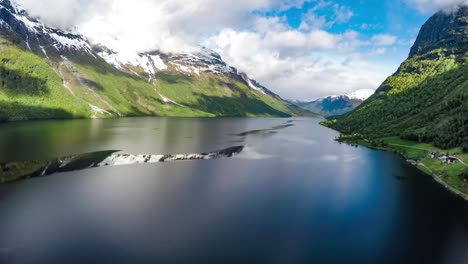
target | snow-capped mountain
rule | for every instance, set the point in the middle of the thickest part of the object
(71, 77)
(336, 105)
(41, 39)
(196, 64)
(54, 43)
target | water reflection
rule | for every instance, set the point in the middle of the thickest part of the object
(14, 171)
(48, 140)
(293, 196)
(172, 133)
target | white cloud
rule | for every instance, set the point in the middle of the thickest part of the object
(265, 24)
(429, 6)
(339, 14)
(342, 13)
(313, 21)
(377, 52)
(63, 13)
(366, 26)
(169, 25)
(303, 63)
(384, 40)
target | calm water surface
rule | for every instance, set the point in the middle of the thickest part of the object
(292, 196)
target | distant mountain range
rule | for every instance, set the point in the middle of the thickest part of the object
(426, 100)
(336, 105)
(49, 73)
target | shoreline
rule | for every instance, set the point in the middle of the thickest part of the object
(426, 171)
(2, 122)
(420, 166)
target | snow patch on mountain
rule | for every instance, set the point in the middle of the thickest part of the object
(158, 62)
(146, 61)
(362, 95)
(196, 63)
(149, 63)
(54, 43)
(335, 105)
(38, 35)
(203, 61)
(169, 101)
(253, 86)
(70, 41)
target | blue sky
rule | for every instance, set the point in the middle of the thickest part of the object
(368, 40)
(369, 18)
(390, 16)
(300, 49)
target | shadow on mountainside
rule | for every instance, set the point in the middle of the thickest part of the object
(234, 107)
(173, 78)
(18, 112)
(91, 84)
(16, 83)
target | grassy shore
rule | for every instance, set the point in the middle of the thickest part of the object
(451, 176)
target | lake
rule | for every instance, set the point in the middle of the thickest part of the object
(293, 195)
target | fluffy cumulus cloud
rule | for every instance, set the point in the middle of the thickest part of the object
(147, 24)
(305, 62)
(427, 6)
(303, 65)
(384, 39)
(169, 25)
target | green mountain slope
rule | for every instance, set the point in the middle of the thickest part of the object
(426, 100)
(33, 87)
(46, 73)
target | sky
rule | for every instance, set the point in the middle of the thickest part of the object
(300, 49)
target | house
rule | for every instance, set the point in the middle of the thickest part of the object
(452, 159)
(446, 159)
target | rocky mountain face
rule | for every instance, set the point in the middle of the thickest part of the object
(448, 31)
(195, 64)
(427, 98)
(50, 73)
(332, 106)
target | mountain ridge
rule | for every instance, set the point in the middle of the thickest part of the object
(336, 105)
(443, 30)
(46, 71)
(426, 100)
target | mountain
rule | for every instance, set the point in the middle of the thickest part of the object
(427, 98)
(50, 73)
(336, 105)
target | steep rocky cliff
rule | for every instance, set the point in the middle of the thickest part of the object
(448, 31)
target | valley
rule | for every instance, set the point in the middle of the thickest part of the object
(215, 131)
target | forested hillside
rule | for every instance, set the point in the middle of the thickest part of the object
(426, 100)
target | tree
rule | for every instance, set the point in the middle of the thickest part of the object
(464, 174)
(465, 147)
